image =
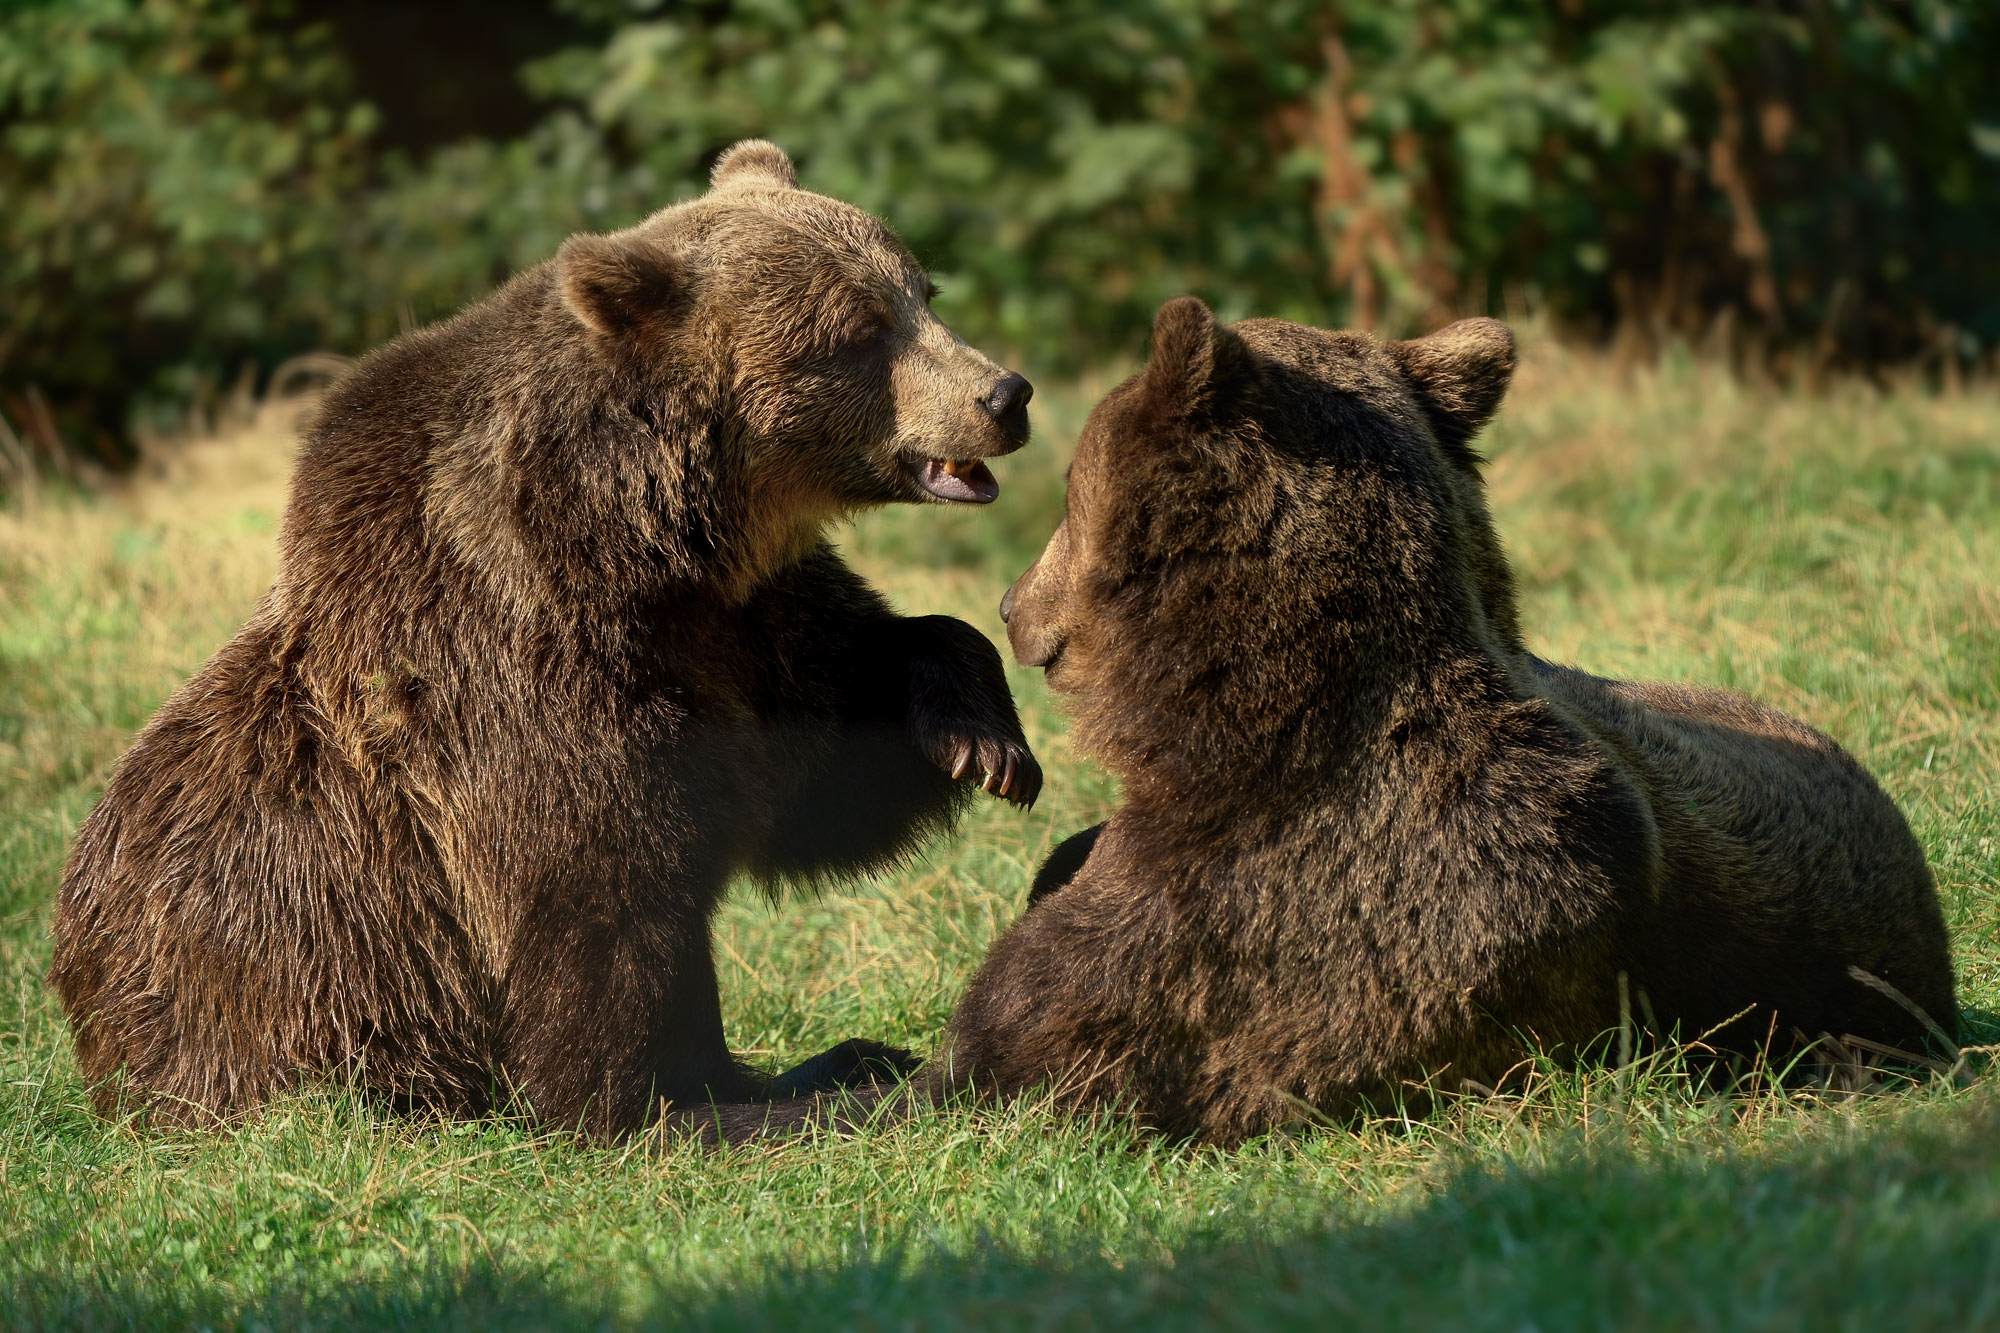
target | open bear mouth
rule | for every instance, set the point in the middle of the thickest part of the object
(959, 480)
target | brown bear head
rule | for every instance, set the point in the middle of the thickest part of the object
(1266, 526)
(805, 325)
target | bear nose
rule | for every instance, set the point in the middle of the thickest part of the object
(1006, 603)
(1011, 392)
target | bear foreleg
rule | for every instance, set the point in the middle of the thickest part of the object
(924, 717)
(611, 1015)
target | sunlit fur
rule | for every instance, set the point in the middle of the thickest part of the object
(556, 649)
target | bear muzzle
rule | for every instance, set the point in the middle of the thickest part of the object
(968, 480)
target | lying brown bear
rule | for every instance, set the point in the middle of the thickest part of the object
(1368, 838)
(557, 647)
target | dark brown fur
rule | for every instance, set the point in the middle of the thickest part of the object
(556, 649)
(1367, 838)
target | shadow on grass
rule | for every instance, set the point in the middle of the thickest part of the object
(1892, 1227)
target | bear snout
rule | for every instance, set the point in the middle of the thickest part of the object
(1007, 404)
(1036, 643)
(1011, 392)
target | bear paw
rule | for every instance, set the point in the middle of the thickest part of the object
(1000, 765)
(854, 1063)
(962, 713)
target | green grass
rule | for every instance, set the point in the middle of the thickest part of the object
(1838, 556)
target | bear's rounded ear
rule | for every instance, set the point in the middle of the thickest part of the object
(753, 161)
(618, 286)
(1192, 355)
(1460, 374)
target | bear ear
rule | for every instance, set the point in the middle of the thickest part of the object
(1460, 374)
(618, 286)
(753, 161)
(1192, 356)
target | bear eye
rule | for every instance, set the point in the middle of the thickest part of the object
(875, 326)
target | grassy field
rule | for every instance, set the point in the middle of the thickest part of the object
(1838, 556)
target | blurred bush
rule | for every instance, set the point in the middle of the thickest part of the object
(192, 187)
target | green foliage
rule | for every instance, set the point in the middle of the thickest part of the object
(175, 191)
(1064, 167)
(188, 186)
(1818, 172)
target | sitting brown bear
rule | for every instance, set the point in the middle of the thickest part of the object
(557, 647)
(1367, 838)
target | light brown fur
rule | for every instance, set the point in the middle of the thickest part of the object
(557, 648)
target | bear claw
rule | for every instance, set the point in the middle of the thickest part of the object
(1017, 778)
(1000, 768)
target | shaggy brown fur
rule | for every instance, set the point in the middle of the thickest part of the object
(1367, 837)
(556, 649)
